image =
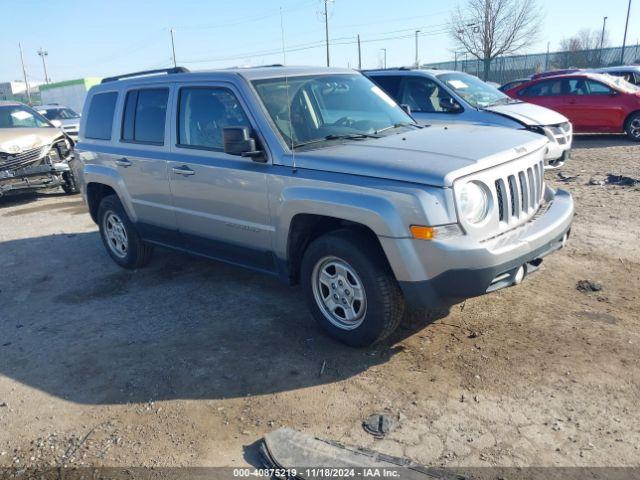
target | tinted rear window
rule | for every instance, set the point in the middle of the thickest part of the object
(100, 117)
(144, 116)
(389, 84)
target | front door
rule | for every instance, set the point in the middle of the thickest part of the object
(220, 200)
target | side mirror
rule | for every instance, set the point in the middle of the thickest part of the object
(406, 108)
(613, 93)
(238, 141)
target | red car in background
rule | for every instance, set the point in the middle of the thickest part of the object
(594, 103)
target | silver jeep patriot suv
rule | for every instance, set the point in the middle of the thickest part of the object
(317, 176)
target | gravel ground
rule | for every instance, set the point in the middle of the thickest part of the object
(189, 362)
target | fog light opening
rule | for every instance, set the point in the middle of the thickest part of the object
(519, 276)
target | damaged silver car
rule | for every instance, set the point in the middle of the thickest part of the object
(34, 154)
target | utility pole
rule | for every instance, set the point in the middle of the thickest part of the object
(24, 72)
(417, 61)
(326, 28)
(604, 26)
(624, 40)
(43, 54)
(384, 61)
(173, 48)
(359, 54)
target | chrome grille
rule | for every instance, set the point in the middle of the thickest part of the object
(19, 160)
(522, 197)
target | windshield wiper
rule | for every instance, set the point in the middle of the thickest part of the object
(398, 125)
(346, 136)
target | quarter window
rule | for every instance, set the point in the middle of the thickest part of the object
(204, 113)
(144, 117)
(100, 116)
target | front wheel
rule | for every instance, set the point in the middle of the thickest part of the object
(350, 288)
(633, 127)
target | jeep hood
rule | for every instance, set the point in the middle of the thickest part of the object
(435, 155)
(15, 140)
(528, 114)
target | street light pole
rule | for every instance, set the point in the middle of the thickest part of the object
(417, 61)
(604, 26)
(624, 40)
(24, 73)
(43, 53)
(384, 57)
(173, 48)
(326, 28)
(359, 54)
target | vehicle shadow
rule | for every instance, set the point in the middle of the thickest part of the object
(14, 199)
(78, 327)
(603, 140)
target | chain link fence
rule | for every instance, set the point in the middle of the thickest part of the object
(505, 69)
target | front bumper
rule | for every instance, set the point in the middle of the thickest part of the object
(453, 270)
(32, 178)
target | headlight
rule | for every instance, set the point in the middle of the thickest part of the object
(474, 202)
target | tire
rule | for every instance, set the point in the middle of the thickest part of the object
(119, 236)
(350, 260)
(70, 185)
(632, 127)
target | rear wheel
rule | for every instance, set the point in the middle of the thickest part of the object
(120, 238)
(350, 288)
(633, 127)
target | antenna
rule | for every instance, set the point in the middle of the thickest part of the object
(286, 82)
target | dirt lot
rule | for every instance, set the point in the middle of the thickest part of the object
(189, 362)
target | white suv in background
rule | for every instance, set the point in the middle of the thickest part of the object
(60, 116)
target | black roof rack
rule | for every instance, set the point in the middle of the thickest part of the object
(146, 72)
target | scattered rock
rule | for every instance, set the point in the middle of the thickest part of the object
(595, 181)
(588, 286)
(4, 404)
(473, 334)
(379, 424)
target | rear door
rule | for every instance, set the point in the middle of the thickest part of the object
(550, 94)
(220, 200)
(141, 159)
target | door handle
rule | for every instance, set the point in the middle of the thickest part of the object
(183, 170)
(123, 162)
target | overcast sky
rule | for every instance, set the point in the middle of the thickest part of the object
(99, 38)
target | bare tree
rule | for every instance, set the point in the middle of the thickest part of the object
(490, 28)
(583, 49)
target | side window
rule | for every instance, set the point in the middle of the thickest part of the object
(100, 116)
(390, 84)
(542, 89)
(597, 88)
(144, 117)
(424, 95)
(203, 113)
(576, 86)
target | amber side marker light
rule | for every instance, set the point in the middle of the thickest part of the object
(423, 233)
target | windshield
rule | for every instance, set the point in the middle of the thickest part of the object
(477, 93)
(313, 109)
(62, 113)
(16, 116)
(620, 83)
